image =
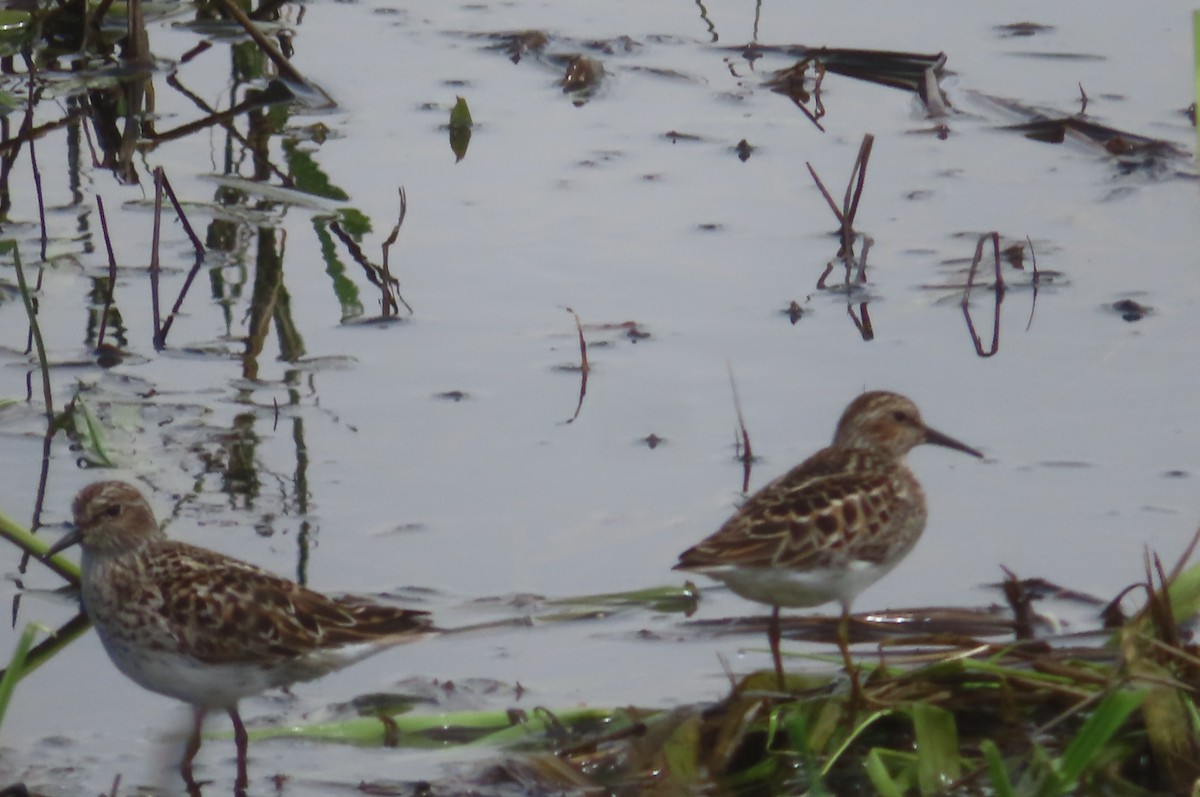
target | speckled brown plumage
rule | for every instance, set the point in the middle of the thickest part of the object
(171, 596)
(832, 525)
(840, 505)
(208, 629)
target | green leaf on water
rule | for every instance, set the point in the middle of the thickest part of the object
(460, 115)
(661, 599)
(460, 129)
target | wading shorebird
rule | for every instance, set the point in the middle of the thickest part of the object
(831, 526)
(208, 629)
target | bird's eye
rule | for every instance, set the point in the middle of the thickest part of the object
(113, 511)
(900, 416)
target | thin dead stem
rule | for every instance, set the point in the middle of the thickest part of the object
(31, 311)
(584, 368)
(388, 280)
(746, 454)
(999, 293)
(112, 272)
(162, 183)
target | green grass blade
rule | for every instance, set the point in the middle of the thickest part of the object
(997, 771)
(862, 727)
(881, 779)
(16, 665)
(662, 599)
(1105, 721)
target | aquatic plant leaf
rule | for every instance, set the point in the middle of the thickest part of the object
(355, 222)
(343, 287)
(91, 434)
(460, 129)
(308, 176)
(443, 729)
(662, 599)
(460, 115)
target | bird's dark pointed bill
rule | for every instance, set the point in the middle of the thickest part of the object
(938, 439)
(72, 537)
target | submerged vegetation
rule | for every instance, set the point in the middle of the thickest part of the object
(956, 701)
(946, 714)
(1109, 711)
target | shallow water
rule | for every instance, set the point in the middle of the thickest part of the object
(1087, 420)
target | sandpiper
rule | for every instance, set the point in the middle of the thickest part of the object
(208, 629)
(831, 526)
